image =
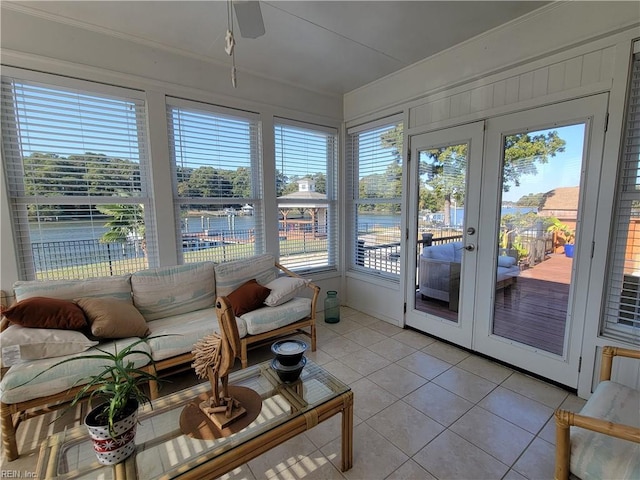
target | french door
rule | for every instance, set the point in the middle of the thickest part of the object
(524, 228)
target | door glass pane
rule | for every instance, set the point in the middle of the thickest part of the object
(441, 200)
(537, 232)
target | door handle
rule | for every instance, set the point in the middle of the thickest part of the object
(470, 248)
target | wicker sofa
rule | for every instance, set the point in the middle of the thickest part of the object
(178, 306)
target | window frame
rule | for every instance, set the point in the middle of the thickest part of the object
(331, 182)
(355, 252)
(13, 161)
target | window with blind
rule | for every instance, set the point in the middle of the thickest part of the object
(75, 157)
(216, 156)
(622, 304)
(306, 186)
(375, 193)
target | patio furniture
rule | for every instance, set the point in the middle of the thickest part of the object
(603, 440)
(439, 276)
(163, 450)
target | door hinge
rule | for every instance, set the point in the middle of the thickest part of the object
(406, 237)
(606, 122)
(580, 365)
(405, 307)
(593, 248)
(408, 155)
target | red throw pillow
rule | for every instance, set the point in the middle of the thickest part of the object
(44, 312)
(247, 297)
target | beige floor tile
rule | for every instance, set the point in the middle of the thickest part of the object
(517, 409)
(450, 456)
(405, 427)
(241, 473)
(339, 370)
(410, 470)
(364, 319)
(440, 404)
(369, 398)
(424, 365)
(385, 328)
(538, 460)
(573, 403)
(465, 384)
(365, 336)
(413, 339)
(513, 475)
(344, 326)
(319, 357)
(493, 434)
(339, 347)
(374, 457)
(484, 368)
(397, 380)
(324, 334)
(446, 352)
(364, 361)
(328, 430)
(548, 432)
(312, 467)
(392, 349)
(281, 457)
(536, 389)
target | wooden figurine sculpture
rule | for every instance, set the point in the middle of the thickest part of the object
(214, 357)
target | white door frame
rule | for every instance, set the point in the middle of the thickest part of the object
(565, 368)
(459, 333)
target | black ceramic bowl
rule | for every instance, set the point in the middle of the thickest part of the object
(289, 352)
(288, 374)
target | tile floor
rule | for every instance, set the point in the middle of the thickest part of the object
(423, 410)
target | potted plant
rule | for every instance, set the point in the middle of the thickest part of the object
(112, 424)
(565, 232)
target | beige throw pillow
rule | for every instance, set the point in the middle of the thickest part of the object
(110, 318)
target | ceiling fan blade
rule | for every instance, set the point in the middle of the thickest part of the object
(249, 18)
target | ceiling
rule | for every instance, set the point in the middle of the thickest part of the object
(327, 46)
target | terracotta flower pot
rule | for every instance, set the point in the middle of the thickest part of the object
(111, 450)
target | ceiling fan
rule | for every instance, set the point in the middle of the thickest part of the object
(250, 22)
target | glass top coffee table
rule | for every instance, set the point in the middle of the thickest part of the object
(163, 451)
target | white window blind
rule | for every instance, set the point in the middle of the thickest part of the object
(622, 304)
(77, 173)
(216, 155)
(375, 192)
(306, 186)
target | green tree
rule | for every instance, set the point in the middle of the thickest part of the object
(125, 223)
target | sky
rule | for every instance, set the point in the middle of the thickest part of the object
(563, 170)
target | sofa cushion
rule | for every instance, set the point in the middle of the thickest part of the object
(44, 312)
(21, 344)
(506, 261)
(595, 455)
(116, 287)
(230, 275)
(21, 383)
(183, 332)
(168, 291)
(284, 289)
(266, 319)
(248, 297)
(110, 318)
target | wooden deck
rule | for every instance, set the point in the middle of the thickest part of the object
(533, 311)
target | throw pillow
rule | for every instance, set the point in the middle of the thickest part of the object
(44, 312)
(284, 289)
(110, 318)
(248, 297)
(20, 343)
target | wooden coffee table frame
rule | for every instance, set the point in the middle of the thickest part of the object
(226, 461)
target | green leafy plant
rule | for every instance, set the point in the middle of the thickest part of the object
(118, 382)
(562, 229)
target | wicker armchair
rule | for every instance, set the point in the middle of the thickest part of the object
(603, 440)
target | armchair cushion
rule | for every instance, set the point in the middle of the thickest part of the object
(595, 455)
